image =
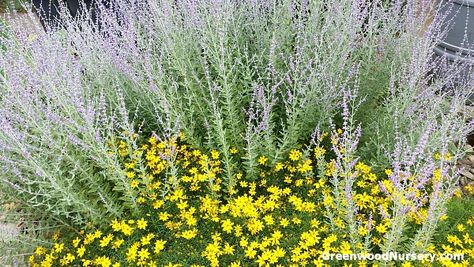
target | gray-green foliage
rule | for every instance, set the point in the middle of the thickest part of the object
(55, 139)
(256, 75)
(205, 67)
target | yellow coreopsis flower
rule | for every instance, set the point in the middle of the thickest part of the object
(189, 234)
(296, 220)
(132, 252)
(80, 251)
(159, 246)
(164, 216)
(215, 154)
(295, 155)
(319, 152)
(254, 226)
(117, 243)
(106, 240)
(145, 240)
(134, 184)
(158, 204)
(330, 168)
(227, 226)
(75, 242)
(382, 228)
(103, 261)
(284, 222)
(444, 217)
(58, 247)
(454, 240)
(127, 229)
(40, 251)
(142, 224)
(228, 249)
(305, 166)
(279, 166)
(143, 254)
(262, 160)
(250, 252)
(447, 248)
(363, 168)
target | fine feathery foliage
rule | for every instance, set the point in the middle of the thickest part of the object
(306, 206)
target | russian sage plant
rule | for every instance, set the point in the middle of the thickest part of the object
(258, 76)
(54, 138)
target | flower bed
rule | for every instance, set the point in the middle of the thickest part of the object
(218, 132)
(291, 216)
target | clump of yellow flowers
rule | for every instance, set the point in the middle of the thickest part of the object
(282, 219)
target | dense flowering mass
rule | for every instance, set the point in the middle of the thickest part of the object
(91, 114)
(290, 216)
